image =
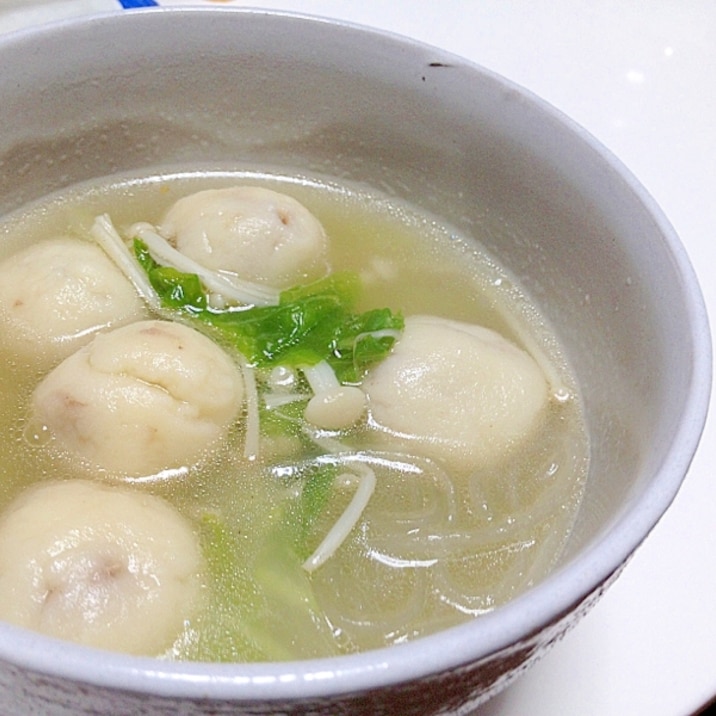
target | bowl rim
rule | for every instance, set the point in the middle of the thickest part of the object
(469, 642)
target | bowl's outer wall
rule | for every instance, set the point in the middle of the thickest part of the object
(455, 692)
(231, 89)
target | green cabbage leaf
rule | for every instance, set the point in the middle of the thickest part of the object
(311, 323)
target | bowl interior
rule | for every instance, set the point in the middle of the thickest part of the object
(217, 89)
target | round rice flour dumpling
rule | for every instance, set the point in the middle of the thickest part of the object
(98, 564)
(57, 294)
(147, 397)
(458, 392)
(258, 234)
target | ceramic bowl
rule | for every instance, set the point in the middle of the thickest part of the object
(120, 92)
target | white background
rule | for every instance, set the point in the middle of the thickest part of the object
(641, 77)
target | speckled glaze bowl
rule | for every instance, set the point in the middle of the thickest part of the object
(175, 87)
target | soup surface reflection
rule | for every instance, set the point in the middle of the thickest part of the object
(251, 416)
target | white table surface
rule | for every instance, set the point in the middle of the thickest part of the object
(641, 76)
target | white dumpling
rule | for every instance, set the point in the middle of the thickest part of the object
(55, 295)
(98, 565)
(457, 392)
(144, 398)
(258, 234)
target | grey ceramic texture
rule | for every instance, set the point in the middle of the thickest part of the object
(239, 89)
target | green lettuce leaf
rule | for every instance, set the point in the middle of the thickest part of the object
(263, 607)
(305, 511)
(312, 323)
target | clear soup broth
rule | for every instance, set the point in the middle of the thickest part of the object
(434, 541)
